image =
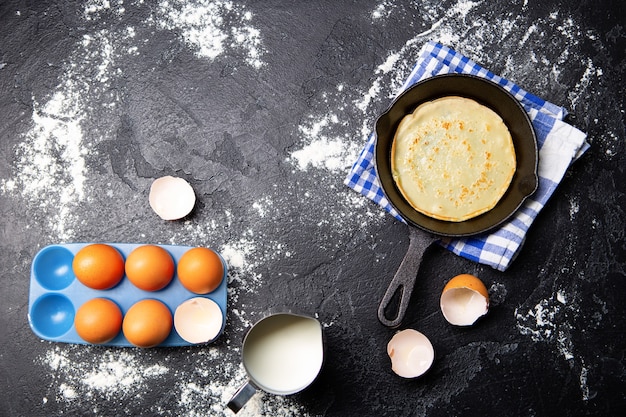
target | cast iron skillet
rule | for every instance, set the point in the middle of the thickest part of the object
(425, 230)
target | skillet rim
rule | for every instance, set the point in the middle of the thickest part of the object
(525, 180)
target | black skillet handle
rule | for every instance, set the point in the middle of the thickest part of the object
(404, 279)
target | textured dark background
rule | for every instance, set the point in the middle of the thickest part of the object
(148, 103)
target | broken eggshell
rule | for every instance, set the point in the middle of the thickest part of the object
(171, 198)
(198, 320)
(411, 353)
(464, 300)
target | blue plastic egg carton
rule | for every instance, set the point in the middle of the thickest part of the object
(56, 294)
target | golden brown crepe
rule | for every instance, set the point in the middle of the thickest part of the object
(452, 158)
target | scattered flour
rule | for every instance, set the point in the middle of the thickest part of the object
(470, 28)
(50, 161)
(216, 28)
(539, 322)
(49, 167)
(94, 8)
(213, 27)
(384, 9)
(243, 256)
(551, 321)
(120, 378)
(68, 393)
(50, 174)
(574, 208)
(329, 154)
(81, 374)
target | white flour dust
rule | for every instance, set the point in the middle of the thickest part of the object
(467, 28)
(115, 374)
(331, 140)
(462, 27)
(212, 27)
(574, 208)
(121, 379)
(550, 321)
(49, 167)
(546, 321)
(324, 151)
(51, 175)
(49, 171)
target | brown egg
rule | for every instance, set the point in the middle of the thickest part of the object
(200, 270)
(150, 267)
(147, 323)
(98, 320)
(98, 266)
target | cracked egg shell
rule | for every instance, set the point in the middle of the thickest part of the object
(464, 300)
(411, 353)
(198, 320)
(171, 198)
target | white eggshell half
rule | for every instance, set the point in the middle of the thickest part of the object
(171, 198)
(463, 306)
(411, 353)
(198, 320)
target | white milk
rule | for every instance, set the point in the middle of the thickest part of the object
(283, 354)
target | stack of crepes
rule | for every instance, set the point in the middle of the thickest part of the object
(559, 145)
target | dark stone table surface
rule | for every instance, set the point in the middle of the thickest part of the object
(263, 106)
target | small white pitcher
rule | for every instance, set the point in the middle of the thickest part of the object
(282, 355)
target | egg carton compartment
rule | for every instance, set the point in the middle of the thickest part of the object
(56, 294)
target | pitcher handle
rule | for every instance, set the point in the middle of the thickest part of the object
(242, 396)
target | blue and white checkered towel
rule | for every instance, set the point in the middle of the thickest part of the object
(559, 145)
